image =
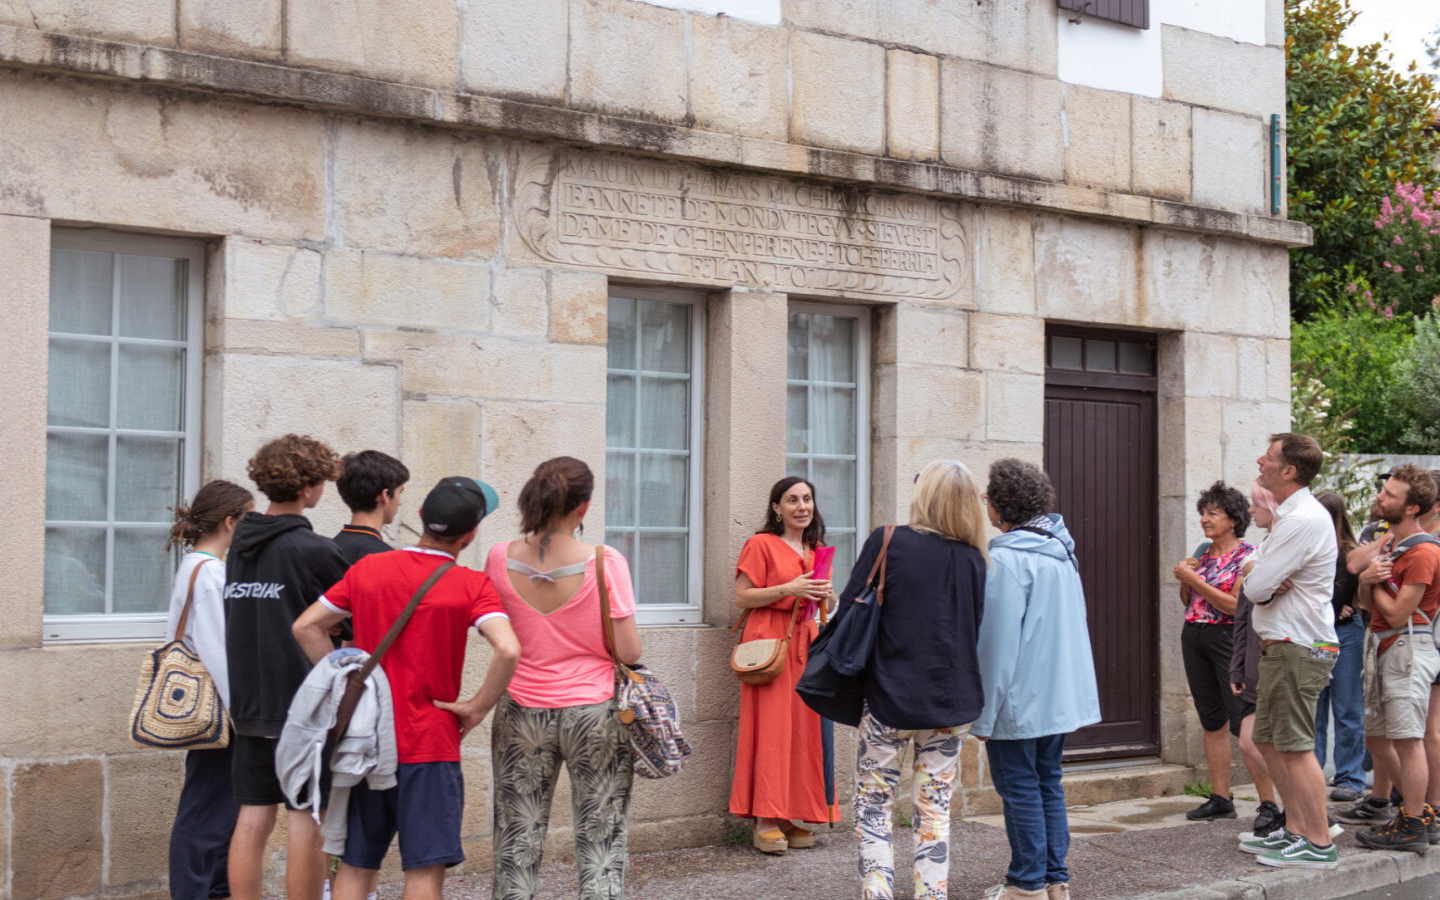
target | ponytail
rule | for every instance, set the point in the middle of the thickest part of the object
(556, 488)
(213, 504)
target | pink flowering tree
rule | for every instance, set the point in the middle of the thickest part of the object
(1408, 228)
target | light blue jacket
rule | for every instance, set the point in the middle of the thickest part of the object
(1035, 659)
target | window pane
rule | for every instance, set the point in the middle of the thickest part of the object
(79, 388)
(619, 489)
(798, 357)
(622, 328)
(147, 478)
(664, 414)
(142, 576)
(624, 542)
(661, 569)
(74, 570)
(800, 466)
(1099, 356)
(844, 544)
(664, 336)
(152, 388)
(833, 338)
(76, 468)
(1136, 359)
(620, 411)
(797, 420)
(664, 490)
(80, 291)
(1065, 353)
(150, 298)
(835, 491)
(832, 426)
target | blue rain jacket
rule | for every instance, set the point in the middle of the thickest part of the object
(1035, 659)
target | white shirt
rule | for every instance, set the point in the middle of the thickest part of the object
(1301, 547)
(205, 629)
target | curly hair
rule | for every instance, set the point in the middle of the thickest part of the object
(1019, 490)
(1228, 500)
(287, 465)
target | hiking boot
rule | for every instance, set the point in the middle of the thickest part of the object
(1405, 833)
(1301, 854)
(1277, 840)
(1370, 811)
(1432, 824)
(1217, 807)
(1343, 794)
(1268, 818)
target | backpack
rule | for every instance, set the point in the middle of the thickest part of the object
(642, 704)
(1400, 550)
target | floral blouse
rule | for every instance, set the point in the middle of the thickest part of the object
(1221, 572)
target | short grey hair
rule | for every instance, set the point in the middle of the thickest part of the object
(1019, 490)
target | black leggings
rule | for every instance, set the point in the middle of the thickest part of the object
(1206, 650)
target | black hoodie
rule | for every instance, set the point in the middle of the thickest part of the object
(276, 568)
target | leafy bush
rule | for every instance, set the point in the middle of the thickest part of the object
(1313, 411)
(1352, 353)
(1417, 387)
(1409, 228)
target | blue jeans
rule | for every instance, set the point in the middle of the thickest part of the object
(1027, 778)
(1346, 696)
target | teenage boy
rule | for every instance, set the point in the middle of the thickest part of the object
(1402, 588)
(1291, 587)
(424, 667)
(370, 483)
(277, 567)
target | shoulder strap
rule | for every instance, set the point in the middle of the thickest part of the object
(189, 599)
(1202, 548)
(1033, 530)
(400, 623)
(607, 625)
(1415, 540)
(879, 567)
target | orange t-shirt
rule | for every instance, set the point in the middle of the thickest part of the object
(1418, 565)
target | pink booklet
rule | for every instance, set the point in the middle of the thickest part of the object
(824, 559)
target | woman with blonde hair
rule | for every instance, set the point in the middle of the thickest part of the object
(922, 684)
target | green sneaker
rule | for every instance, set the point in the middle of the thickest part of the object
(1278, 839)
(1301, 855)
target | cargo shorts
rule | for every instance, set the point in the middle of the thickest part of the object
(1397, 686)
(1292, 676)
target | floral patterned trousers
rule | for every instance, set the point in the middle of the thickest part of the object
(877, 773)
(527, 745)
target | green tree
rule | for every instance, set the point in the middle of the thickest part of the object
(1352, 354)
(1356, 127)
(1417, 387)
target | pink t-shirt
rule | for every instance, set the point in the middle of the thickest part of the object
(562, 656)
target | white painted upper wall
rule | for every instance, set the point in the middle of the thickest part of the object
(765, 12)
(1113, 57)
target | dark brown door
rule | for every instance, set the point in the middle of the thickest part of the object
(1100, 451)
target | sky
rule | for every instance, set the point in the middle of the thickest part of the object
(1408, 22)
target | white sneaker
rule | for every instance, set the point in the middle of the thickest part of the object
(1007, 891)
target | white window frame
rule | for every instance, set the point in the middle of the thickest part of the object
(692, 611)
(119, 627)
(861, 315)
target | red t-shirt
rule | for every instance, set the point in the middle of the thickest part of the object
(426, 661)
(1418, 565)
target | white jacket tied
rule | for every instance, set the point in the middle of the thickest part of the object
(366, 752)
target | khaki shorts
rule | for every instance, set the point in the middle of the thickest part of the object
(1398, 698)
(1291, 679)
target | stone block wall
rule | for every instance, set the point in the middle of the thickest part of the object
(972, 85)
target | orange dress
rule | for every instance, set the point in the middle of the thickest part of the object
(779, 762)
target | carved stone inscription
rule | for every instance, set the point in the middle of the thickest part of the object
(688, 223)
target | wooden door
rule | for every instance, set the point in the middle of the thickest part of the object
(1100, 452)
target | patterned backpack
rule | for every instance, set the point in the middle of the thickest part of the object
(642, 703)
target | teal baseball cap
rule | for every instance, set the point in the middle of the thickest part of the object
(456, 505)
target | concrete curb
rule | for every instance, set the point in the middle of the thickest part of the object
(1360, 870)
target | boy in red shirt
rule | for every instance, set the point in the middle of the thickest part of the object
(424, 667)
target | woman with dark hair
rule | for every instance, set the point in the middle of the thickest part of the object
(779, 764)
(1345, 694)
(200, 837)
(560, 704)
(1209, 585)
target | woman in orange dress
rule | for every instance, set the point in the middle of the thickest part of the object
(779, 763)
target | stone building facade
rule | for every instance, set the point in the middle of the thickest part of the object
(698, 250)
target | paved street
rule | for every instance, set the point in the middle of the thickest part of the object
(1135, 849)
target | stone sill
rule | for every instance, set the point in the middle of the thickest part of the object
(266, 82)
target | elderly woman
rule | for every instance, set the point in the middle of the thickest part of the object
(1209, 583)
(922, 686)
(1038, 672)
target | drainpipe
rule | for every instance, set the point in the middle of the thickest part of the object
(1277, 165)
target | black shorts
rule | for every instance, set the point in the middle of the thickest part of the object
(1206, 651)
(425, 807)
(252, 770)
